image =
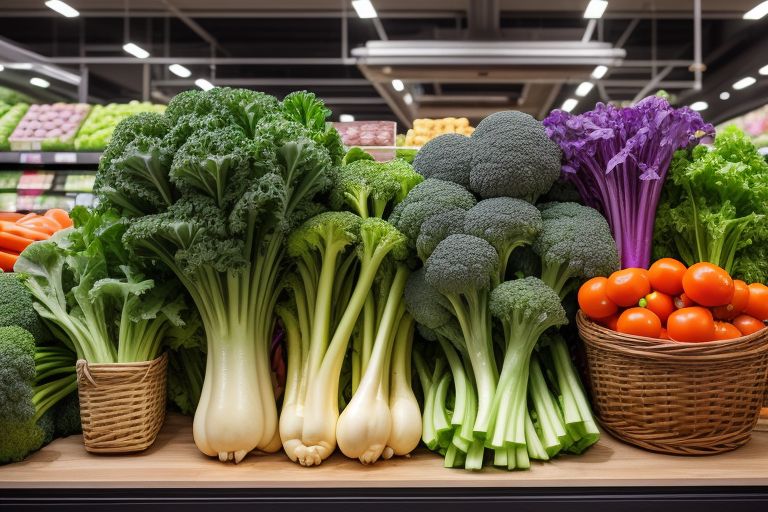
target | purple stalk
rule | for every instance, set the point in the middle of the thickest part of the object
(617, 158)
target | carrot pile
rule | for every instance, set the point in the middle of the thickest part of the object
(17, 231)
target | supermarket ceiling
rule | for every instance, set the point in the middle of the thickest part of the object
(454, 57)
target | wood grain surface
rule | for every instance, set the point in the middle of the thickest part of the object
(174, 462)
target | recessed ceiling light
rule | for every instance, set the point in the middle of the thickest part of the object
(408, 99)
(62, 8)
(179, 70)
(1, 67)
(763, 70)
(136, 50)
(39, 82)
(698, 106)
(757, 12)
(584, 88)
(346, 118)
(398, 85)
(595, 9)
(725, 95)
(569, 104)
(599, 72)
(744, 83)
(204, 84)
(364, 8)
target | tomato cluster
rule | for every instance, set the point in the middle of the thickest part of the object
(670, 301)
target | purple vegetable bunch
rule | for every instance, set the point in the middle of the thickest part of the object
(617, 158)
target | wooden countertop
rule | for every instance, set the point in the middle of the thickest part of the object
(174, 462)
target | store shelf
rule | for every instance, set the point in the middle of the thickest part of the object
(49, 158)
(175, 462)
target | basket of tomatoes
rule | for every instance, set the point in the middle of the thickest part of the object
(678, 357)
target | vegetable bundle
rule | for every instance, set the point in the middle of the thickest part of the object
(497, 384)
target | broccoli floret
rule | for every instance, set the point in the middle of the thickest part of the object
(513, 157)
(428, 198)
(506, 223)
(525, 308)
(430, 309)
(371, 188)
(32, 381)
(446, 157)
(16, 307)
(436, 228)
(575, 244)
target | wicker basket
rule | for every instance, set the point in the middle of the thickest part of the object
(122, 406)
(676, 398)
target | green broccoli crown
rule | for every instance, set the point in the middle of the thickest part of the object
(325, 229)
(529, 298)
(577, 237)
(22, 437)
(446, 157)
(428, 198)
(513, 157)
(425, 303)
(379, 235)
(16, 307)
(436, 228)
(460, 264)
(505, 222)
(17, 374)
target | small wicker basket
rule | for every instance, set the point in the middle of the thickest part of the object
(676, 398)
(122, 406)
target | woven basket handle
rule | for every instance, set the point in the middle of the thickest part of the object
(82, 369)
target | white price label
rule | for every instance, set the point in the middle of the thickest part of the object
(31, 158)
(65, 158)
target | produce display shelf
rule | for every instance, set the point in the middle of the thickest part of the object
(50, 157)
(174, 469)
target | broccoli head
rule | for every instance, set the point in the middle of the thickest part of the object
(446, 157)
(528, 301)
(513, 157)
(461, 264)
(436, 228)
(16, 307)
(575, 244)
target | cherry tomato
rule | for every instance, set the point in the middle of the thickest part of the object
(738, 302)
(747, 324)
(708, 285)
(666, 276)
(726, 331)
(683, 301)
(757, 305)
(593, 300)
(639, 322)
(692, 324)
(627, 286)
(611, 322)
(660, 303)
(663, 335)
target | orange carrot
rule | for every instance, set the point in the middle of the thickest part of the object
(23, 231)
(42, 224)
(27, 217)
(10, 216)
(7, 261)
(60, 216)
(11, 242)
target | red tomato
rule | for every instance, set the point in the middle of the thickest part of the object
(660, 303)
(708, 285)
(738, 302)
(683, 301)
(611, 322)
(639, 322)
(726, 331)
(627, 286)
(748, 324)
(666, 276)
(692, 324)
(757, 305)
(593, 300)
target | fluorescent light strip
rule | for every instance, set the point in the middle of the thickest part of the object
(364, 9)
(595, 9)
(757, 12)
(584, 88)
(698, 106)
(62, 8)
(204, 84)
(136, 50)
(599, 72)
(744, 83)
(22, 65)
(569, 104)
(725, 95)
(398, 85)
(763, 70)
(39, 82)
(346, 118)
(1, 67)
(179, 70)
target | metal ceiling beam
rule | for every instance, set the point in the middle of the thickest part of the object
(12, 53)
(221, 61)
(267, 82)
(195, 27)
(288, 14)
(653, 83)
